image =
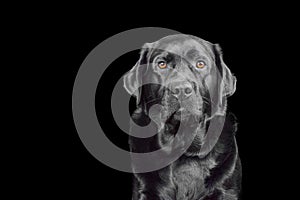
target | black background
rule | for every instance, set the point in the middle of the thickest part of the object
(249, 49)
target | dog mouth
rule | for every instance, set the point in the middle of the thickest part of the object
(183, 111)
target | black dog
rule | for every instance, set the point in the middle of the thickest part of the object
(192, 86)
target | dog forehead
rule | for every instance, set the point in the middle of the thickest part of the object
(183, 45)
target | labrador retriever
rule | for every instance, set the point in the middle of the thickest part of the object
(193, 83)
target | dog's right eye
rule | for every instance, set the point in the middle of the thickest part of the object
(200, 64)
(162, 64)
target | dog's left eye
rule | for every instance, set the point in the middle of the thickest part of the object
(162, 64)
(200, 64)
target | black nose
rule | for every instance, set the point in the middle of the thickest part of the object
(181, 89)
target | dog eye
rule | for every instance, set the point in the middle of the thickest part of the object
(162, 64)
(200, 64)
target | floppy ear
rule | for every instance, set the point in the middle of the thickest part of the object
(228, 80)
(227, 85)
(132, 80)
(223, 86)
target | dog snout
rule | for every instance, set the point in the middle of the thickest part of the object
(181, 89)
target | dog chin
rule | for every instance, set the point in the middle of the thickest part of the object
(185, 116)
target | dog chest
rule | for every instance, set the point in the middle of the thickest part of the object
(188, 178)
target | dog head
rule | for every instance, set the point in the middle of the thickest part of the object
(185, 75)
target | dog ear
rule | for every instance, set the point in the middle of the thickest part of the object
(223, 85)
(132, 80)
(227, 85)
(228, 80)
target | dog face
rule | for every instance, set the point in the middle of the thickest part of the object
(181, 65)
(188, 73)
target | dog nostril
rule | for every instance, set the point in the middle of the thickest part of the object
(176, 91)
(188, 90)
